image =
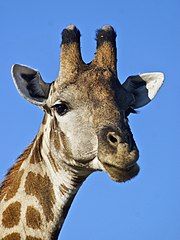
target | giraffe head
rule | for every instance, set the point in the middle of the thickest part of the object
(86, 107)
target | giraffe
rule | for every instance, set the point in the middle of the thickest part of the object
(85, 129)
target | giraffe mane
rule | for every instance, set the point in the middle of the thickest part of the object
(13, 171)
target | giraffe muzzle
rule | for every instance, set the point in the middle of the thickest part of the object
(118, 153)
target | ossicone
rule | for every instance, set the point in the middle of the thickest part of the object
(106, 53)
(70, 59)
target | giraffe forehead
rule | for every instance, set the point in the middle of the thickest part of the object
(96, 83)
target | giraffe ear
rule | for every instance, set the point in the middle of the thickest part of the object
(30, 85)
(144, 87)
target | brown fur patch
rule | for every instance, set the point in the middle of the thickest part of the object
(15, 186)
(54, 135)
(57, 143)
(36, 155)
(33, 218)
(12, 236)
(44, 119)
(11, 216)
(32, 238)
(7, 184)
(66, 148)
(42, 188)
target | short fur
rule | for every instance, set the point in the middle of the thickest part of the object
(85, 129)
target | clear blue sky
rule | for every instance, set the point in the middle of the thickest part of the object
(148, 207)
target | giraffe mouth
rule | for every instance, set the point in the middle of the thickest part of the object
(122, 174)
(129, 168)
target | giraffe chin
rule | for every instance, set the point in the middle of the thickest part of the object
(121, 174)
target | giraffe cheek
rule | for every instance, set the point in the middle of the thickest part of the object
(83, 145)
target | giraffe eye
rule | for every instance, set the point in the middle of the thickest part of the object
(61, 108)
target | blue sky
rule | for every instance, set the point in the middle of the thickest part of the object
(148, 40)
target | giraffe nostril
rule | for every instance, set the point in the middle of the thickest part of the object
(113, 138)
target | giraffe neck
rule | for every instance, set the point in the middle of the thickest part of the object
(37, 192)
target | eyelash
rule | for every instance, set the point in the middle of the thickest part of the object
(130, 110)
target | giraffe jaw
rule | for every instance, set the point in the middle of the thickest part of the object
(122, 174)
(116, 173)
